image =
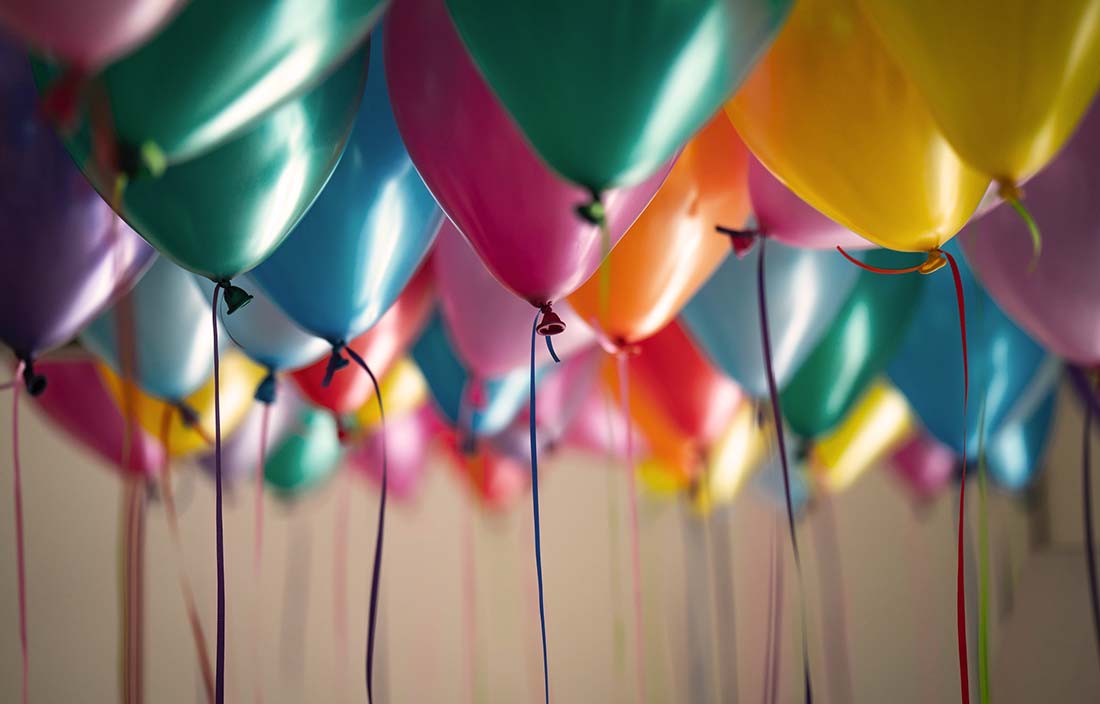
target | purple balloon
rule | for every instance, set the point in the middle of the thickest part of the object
(241, 450)
(64, 256)
(1057, 302)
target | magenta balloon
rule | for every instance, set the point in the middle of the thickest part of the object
(782, 215)
(85, 33)
(1058, 302)
(241, 450)
(78, 403)
(408, 443)
(487, 324)
(925, 464)
(518, 215)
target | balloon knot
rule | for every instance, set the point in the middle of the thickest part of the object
(265, 392)
(60, 102)
(934, 262)
(36, 383)
(189, 416)
(551, 323)
(742, 241)
(235, 297)
(593, 211)
(336, 362)
(803, 451)
(1008, 190)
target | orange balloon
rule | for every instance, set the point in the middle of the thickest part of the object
(672, 248)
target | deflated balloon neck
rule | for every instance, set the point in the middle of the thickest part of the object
(336, 362)
(35, 383)
(1014, 196)
(593, 211)
(235, 297)
(550, 323)
(933, 263)
(265, 392)
(188, 415)
(742, 241)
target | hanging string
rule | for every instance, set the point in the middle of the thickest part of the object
(376, 571)
(469, 588)
(340, 582)
(219, 670)
(126, 546)
(133, 546)
(1086, 497)
(1012, 195)
(761, 290)
(535, 511)
(983, 567)
(835, 614)
(20, 556)
(618, 627)
(258, 539)
(769, 643)
(635, 552)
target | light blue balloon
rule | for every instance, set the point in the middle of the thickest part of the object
(805, 290)
(350, 256)
(769, 482)
(502, 397)
(173, 333)
(1013, 454)
(928, 368)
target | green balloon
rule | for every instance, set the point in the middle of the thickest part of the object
(607, 91)
(307, 456)
(221, 64)
(224, 212)
(857, 347)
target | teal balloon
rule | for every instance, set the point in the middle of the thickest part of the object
(608, 91)
(856, 348)
(221, 214)
(349, 258)
(1014, 455)
(805, 290)
(502, 398)
(928, 367)
(218, 66)
(307, 456)
(172, 333)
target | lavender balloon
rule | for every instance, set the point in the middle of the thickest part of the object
(241, 450)
(64, 256)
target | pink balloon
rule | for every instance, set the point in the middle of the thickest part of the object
(1057, 302)
(782, 215)
(925, 464)
(85, 33)
(517, 214)
(78, 403)
(408, 441)
(487, 324)
(599, 427)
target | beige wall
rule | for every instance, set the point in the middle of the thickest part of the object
(897, 562)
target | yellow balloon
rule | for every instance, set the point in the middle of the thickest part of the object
(239, 378)
(1006, 81)
(880, 421)
(658, 480)
(403, 389)
(831, 114)
(731, 461)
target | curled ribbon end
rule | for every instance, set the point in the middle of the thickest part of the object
(235, 297)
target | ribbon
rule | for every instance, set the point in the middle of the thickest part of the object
(635, 553)
(219, 668)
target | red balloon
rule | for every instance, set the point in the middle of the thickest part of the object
(379, 347)
(495, 479)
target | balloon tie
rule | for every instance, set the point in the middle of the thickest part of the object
(336, 362)
(219, 678)
(1014, 196)
(35, 383)
(777, 414)
(266, 391)
(20, 541)
(376, 570)
(593, 211)
(535, 510)
(742, 241)
(1087, 513)
(623, 360)
(61, 101)
(934, 262)
(235, 297)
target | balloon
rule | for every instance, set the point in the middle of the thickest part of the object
(599, 427)
(494, 479)
(65, 256)
(1053, 298)
(86, 34)
(830, 113)
(660, 482)
(1013, 454)
(672, 248)
(607, 91)
(78, 403)
(456, 397)
(379, 347)
(806, 290)
(238, 380)
(241, 449)
(408, 441)
(515, 212)
(219, 66)
(221, 214)
(783, 216)
(856, 348)
(353, 252)
(485, 321)
(924, 464)
(731, 461)
(770, 485)
(1004, 362)
(404, 389)
(878, 423)
(307, 456)
(1007, 82)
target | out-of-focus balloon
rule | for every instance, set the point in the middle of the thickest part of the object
(80, 405)
(515, 212)
(599, 427)
(379, 347)
(65, 256)
(730, 461)
(648, 74)
(172, 333)
(1053, 297)
(1007, 82)
(351, 255)
(409, 439)
(404, 390)
(488, 324)
(477, 406)
(85, 34)
(241, 449)
(238, 381)
(224, 212)
(806, 289)
(783, 216)
(928, 369)
(877, 424)
(494, 479)
(672, 248)
(659, 481)
(924, 464)
(871, 156)
(217, 67)
(308, 455)
(857, 347)
(1013, 455)
(769, 483)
